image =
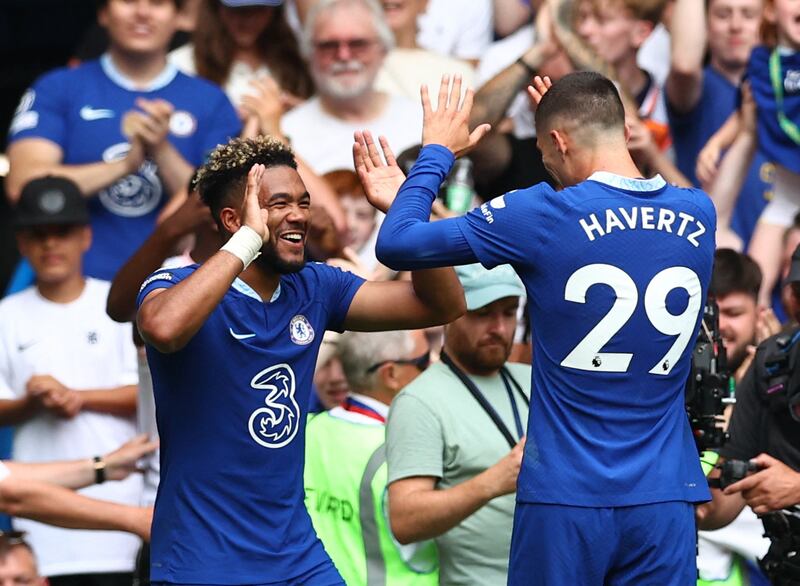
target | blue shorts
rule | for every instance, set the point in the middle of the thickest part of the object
(645, 545)
(323, 575)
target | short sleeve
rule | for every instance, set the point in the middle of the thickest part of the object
(506, 230)
(162, 279)
(338, 288)
(41, 112)
(223, 124)
(746, 423)
(414, 440)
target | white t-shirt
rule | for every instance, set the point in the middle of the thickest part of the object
(80, 346)
(239, 77)
(405, 70)
(654, 54)
(325, 142)
(462, 29)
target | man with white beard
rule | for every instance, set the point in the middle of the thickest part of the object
(345, 42)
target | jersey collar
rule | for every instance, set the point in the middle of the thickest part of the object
(246, 289)
(628, 183)
(161, 80)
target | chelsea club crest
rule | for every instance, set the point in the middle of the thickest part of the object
(300, 331)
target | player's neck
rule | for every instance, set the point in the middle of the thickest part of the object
(610, 158)
(261, 280)
(140, 69)
(64, 291)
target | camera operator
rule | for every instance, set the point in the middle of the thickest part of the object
(763, 431)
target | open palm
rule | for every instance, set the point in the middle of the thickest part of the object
(381, 180)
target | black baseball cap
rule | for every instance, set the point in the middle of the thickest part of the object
(794, 269)
(50, 201)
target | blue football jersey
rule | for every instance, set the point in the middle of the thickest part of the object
(81, 111)
(231, 410)
(772, 140)
(617, 272)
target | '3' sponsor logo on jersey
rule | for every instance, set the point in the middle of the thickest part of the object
(88, 113)
(276, 423)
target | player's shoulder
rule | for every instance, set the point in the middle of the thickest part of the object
(535, 195)
(696, 197)
(169, 276)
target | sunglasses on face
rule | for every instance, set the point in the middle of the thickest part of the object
(421, 362)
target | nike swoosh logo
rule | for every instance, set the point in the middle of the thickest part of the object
(89, 113)
(23, 347)
(240, 336)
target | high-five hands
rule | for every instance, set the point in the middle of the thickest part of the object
(381, 181)
(448, 124)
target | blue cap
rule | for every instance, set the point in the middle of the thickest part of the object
(483, 286)
(243, 3)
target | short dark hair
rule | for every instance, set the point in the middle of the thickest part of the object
(224, 175)
(586, 98)
(734, 272)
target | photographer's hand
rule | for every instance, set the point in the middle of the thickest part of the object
(775, 486)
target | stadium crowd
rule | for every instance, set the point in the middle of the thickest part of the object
(287, 128)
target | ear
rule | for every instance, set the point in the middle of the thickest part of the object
(559, 142)
(640, 31)
(230, 220)
(627, 132)
(387, 375)
(86, 238)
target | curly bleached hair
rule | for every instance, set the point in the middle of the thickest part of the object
(224, 174)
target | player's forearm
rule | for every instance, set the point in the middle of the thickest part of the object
(119, 401)
(168, 321)
(407, 239)
(62, 507)
(121, 302)
(69, 474)
(173, 169)
(15, 411)
(731, 176)
(427, 514)
(441, 292)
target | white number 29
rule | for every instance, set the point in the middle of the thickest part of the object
(587, 355)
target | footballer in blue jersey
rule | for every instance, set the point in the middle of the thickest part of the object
(232, 346)
(130, 142)
(617, 270)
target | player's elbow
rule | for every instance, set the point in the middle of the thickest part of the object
(390, 252)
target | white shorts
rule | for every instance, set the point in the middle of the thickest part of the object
(785, 203)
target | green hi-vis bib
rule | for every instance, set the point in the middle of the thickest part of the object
(345, 482)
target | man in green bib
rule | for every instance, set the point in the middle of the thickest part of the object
(345, 471)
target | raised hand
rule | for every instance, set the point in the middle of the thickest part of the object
(538, 88)
(253, 215)
(381, 181)
(448, 124)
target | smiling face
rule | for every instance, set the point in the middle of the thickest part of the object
(347, 52)
(286, 198)
(611, 30)
(139, 27)
(786, 15)
(733, 27)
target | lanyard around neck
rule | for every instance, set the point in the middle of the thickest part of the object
(790, 128)
(508, 381)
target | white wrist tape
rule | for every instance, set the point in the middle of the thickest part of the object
(245, 245)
